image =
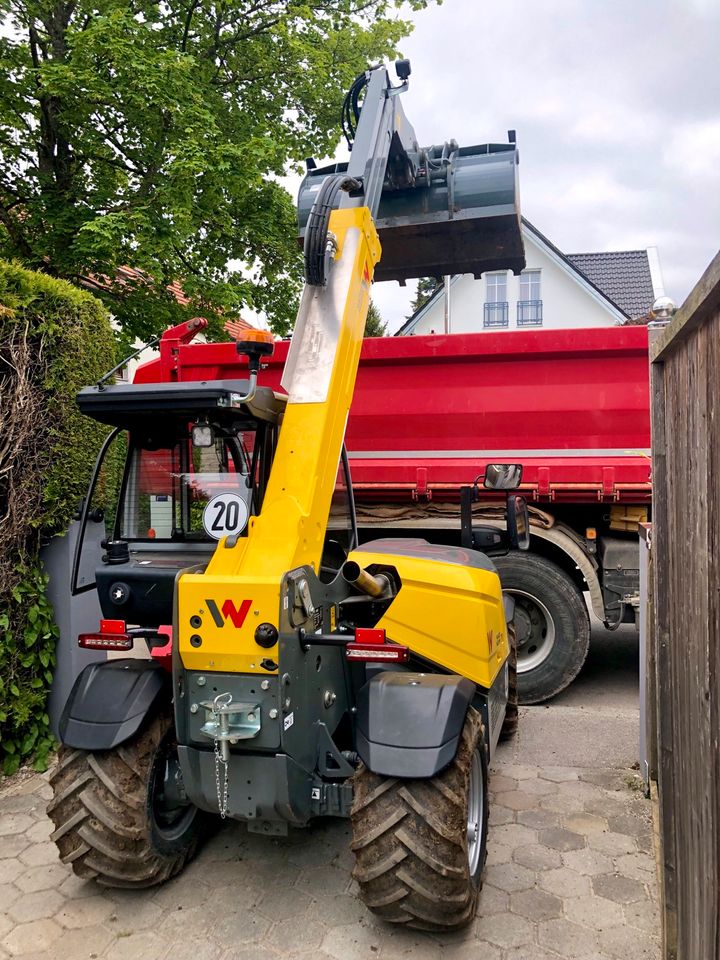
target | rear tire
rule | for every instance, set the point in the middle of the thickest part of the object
(418, 860)
(551, 622)
(114, 820)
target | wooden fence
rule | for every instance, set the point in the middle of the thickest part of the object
(684, 655)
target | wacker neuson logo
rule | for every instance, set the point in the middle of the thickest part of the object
(229, 611)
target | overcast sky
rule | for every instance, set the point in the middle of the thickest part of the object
(616, 104)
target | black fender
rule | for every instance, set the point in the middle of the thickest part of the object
(409, 724)
(109, 702)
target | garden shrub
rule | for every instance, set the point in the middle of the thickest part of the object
(54, 339)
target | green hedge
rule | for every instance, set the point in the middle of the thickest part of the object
(54, 339)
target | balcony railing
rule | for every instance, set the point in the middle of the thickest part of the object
(496, 314)
(529, 313)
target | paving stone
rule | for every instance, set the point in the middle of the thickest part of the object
(567, 938)
(279, 903)
(559, 839)
(514, 835)
(620, 889)
(35, 906)
(39, 855)
(643, 914)
(536, 905)
(586, 824)
(147, 945)
(9, 893)
(498, 815)
(6, 925)
(292, 934)
(132, 910)
(629, 825)
(519, 772)
(320, 881)
(14, 823)
(499, 783)
(470, 950)
(41, 878)
(352, 941)
(564, 882)
(537, 857)
(492, 901)
(604, 805)
(10, 870)
(184, 892)
(527, 953)
(255, 952)
(613, 844)
(340, 909)
(504, 930)
(577, 790)
(517, 800)
(40, 831)
(75, 888)
(595, 912)
(232, 925)
(538, 788)
(35, 937)
(12, 846)
(195, 948)
(498, 853)
(624, 943)
(510, 877)
(639, 866)
(399, 944)
(556, 803)
(87, 944)
(85, 912)
(559, 774)
(587, 861)
(538, 819)
(608, 779)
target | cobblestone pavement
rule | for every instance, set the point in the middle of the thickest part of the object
(570, 874)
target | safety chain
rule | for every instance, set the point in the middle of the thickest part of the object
(221, 788)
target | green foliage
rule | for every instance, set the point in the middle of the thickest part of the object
(54, 339)
(152, 135)
(374, 326)
(425, 289)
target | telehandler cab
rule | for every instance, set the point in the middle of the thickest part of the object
(292, 673)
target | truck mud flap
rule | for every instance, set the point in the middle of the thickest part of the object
(109, 702)
(409, 724)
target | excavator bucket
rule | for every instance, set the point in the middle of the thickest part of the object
(461, 216)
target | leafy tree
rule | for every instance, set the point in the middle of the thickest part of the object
(425, 289)
(152, 135)
(374, 326)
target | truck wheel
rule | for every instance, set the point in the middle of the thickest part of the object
(119, 816)
(551, 622)
(420, 845)
(510, 723)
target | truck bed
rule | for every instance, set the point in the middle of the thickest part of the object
(429, 412)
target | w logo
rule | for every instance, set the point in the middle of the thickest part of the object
(229, 612)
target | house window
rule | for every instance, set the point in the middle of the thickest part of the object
(530, 305)
(496, 302)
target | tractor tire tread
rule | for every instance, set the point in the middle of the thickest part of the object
(410, 842)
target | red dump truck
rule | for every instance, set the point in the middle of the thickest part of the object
(571, 406)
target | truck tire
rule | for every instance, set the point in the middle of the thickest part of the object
(510, 723)
(551, 622)
(420, 845)
(114, 821)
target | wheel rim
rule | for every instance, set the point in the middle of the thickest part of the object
(476, 814)
(535, 631)
(172, 812)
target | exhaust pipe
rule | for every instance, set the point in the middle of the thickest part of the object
(377, 585)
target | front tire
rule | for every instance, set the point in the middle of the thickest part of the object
(117, 819)
(551, 623)
(420, 845)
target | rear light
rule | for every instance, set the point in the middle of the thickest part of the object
(370, 647)
(110, 636)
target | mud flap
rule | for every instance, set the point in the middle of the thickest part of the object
(110, 701)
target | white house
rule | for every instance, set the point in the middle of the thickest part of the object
(554, 290)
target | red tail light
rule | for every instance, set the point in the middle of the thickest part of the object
(110, 636)
(370, 646)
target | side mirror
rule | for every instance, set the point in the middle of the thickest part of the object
(518, 522)
(502, 476)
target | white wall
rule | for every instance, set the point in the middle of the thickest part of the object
(567, 302)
